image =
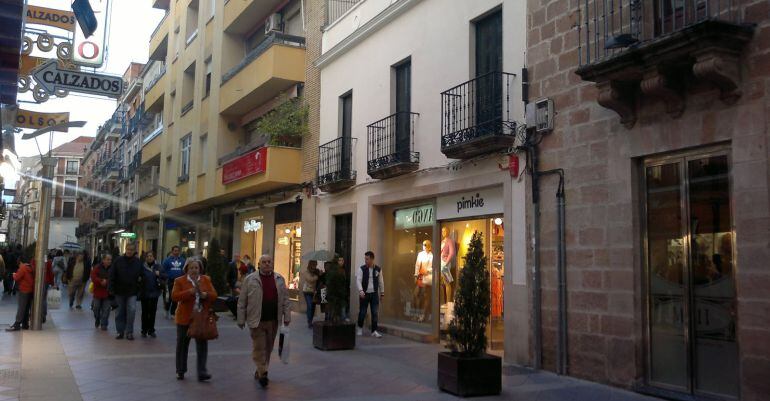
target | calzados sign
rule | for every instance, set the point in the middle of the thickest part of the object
(51, 17)
(50, 78)
(37, 120)
(251, 163)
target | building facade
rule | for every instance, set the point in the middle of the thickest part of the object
(23, 228)
(661, 131)
(415, 125)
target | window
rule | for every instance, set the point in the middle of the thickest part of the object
(184, 160)
(191, 25)
(72, 167)
(346, 123)
(204, 157)
(68, 210)
(70, 187)
(207, 82)
(212, 8)
(188, 89)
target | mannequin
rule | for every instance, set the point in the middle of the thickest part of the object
(423, 274)
(448, 252)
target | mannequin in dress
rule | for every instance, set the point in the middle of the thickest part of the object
(423, 274)
(448, 252)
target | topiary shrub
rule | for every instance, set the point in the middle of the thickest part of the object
(468, 329)
(217, 268)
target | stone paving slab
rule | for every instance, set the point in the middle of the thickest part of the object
(72, 360)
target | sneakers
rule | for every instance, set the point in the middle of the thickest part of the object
(375, 334)
(359, 331)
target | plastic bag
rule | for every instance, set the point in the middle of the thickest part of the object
(283, 343)
(91, 287)
(54, 298)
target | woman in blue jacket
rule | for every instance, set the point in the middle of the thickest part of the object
(151, 279)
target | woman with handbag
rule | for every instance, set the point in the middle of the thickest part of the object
(310, 277)
(151, 277)
(194, 295)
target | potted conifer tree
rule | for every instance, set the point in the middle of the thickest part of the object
(467, 370)
(334, 333)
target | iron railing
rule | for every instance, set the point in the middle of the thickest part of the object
(478, 108)
(608, 27)
(187, 107)
(391, 141)
(274, 38)
(335, 161)
(337, 8)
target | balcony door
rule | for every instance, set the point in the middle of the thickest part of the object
(690, 274)
(489, 60)
(346, 132)
(403, 109)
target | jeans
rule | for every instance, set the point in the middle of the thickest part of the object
(183, 345)
(124, 318)
(102, 308)
(171, 306)
(149, 308)
(22, 310)
(58, 273)
(370, 300)
(75, 290)
(310, 307)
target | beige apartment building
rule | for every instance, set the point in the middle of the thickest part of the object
(216, 71)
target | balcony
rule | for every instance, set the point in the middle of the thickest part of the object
(633, 49)
(241, 15)
(335, 162)
(391, 146)
(162, 4)
(107, 217)
(154, 91)
(159, 39)
(337, 8)
(476, 116)
(152, 145)
(272, 67)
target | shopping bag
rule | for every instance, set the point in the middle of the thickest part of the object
(283, 344)
(91, 287)
(54, 298)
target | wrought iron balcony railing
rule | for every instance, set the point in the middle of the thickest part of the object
(337, 8)
(476, 116)
(335, 164)
(391, 146)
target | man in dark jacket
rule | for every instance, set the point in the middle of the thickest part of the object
(124, 285)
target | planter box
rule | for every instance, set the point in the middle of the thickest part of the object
(470, 376)
(329, 336)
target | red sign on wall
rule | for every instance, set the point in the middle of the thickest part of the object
(251, 163)
(513, 165)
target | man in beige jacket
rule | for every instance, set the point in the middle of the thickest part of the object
(263, 302)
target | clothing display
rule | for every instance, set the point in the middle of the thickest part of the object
(497, 293)
(423, 268)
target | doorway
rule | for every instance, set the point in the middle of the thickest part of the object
(690, 275)
(489, 65)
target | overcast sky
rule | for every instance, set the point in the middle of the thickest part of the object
(131, 24)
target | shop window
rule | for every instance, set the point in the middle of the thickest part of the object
(252, 232)
(288, 254)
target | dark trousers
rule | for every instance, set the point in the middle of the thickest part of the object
(370, 300)
(22, 310)
(149, 308)
(170, 305)
(310, 307)
(183, 344)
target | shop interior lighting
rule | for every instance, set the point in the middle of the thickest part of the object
(498, 221)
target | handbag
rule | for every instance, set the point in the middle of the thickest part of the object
(203, 325)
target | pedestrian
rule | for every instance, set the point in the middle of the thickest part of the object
(100, 276)
(371, 288)
(49, 282)
(341, 269)
(152, 276)
(247, 267)
(124, 285)
(11, 266)
(191, 290)
(59, 267)
(310, 280)
(25, 278)
(173, 267)
(78, 272)
(263, 302)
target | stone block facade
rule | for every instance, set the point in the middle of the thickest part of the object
(603, 159)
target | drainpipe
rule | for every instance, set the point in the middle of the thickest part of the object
(536, 292)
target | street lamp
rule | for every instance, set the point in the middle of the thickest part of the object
(164, 194)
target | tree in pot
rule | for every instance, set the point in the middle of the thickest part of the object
(217, 270)
(334, 333)
(467, 370)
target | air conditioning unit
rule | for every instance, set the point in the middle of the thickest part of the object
(273, 23)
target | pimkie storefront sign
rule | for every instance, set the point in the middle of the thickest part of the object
(51, 17)
(478, 202)
(251, 163)
(37, 120)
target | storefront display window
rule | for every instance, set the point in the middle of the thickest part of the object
(252, 231)
(187, 241)
(288, 254)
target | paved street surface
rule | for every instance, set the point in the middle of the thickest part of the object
(70, 360)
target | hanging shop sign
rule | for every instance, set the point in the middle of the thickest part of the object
(37, 120)
(51, 17)
(50, 78)
(89, 50)
(420, 216)
(128, 235)
(251, 163)
(251, 226)
(480, 202)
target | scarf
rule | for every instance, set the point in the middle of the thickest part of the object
(195, 284)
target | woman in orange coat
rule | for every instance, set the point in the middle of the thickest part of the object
(191, 289)
(25, 278)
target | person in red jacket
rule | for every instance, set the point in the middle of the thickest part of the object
(25, 278)
(100, 276)
(49, 281)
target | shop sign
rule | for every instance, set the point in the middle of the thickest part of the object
(37, 120)
(480, 202)
(249, 164)
(251, 226)
(51, 77)
(128, 235)
(51, 17)
(421, 216)
(89, 51)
